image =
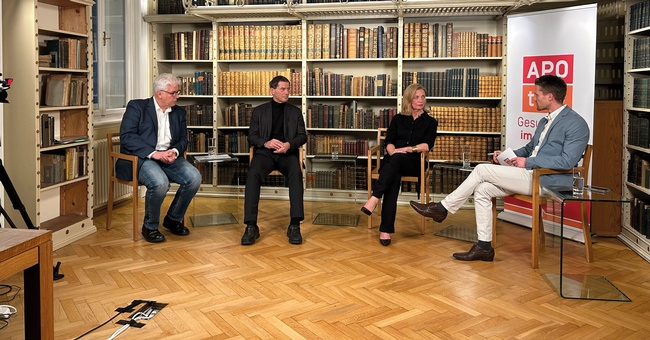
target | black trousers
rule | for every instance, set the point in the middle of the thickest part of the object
(264, 161)
(388, 185)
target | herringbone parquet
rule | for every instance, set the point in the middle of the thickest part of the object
(339, 284)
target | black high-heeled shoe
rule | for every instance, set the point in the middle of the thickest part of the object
(384, 242)
(366, 211)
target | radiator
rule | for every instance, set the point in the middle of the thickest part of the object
(101, 176)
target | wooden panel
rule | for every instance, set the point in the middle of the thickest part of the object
(607, 170)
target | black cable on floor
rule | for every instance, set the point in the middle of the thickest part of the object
(97, 327)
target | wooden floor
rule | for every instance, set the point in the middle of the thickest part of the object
(339, 284)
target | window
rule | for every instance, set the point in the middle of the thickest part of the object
(109, 65)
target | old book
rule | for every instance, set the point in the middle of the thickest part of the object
(325, 42)
(352, 42)
(57, 90)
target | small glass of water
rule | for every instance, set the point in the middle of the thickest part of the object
(578, 183)
(212, 146)
(335, 151)
(467, 156)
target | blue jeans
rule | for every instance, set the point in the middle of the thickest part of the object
(155, 176)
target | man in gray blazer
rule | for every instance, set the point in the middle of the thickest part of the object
(276, 132)
(558, 143)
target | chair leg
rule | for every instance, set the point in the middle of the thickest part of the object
(134, 203)
(109, 205)
(494, 222)
(535, 234)
(586, 231)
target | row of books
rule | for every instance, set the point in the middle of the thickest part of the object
(640, 217)
(199, 84)
(198, 114)
(259, 42)
(65, 89)
(455, 82)
(640, 15)
(343, 178)
(47, 130)
(176, 6)
(447, 179)
(234, 142)
(436, 40)
(238, 114)
(63, 165)
(347, 116)
(443, 179)
(197, 141)
(322, 144)
(320, 83)
(641, 53)
(189, 45)
(206, 170)
(64, 53)
(638, 170)
(451, 147)
(457, 118)
(334, 41)
(255, 83)
(641, 93)
(638, 129)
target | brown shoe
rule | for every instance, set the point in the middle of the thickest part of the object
(476, 253)
(429, 210)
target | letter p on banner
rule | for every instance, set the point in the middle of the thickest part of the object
(535, 66)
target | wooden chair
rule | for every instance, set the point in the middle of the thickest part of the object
(113, 156)
(374, 154)
(536, 201)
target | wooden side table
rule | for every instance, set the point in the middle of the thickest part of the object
(30, 251)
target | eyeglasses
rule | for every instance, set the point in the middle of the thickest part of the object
(175, 93)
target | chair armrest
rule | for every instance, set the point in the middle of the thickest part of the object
(119, 155)
(545, 171)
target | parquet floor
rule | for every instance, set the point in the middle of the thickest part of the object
(339, 284)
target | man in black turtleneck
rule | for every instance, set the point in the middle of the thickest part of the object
(277, 131)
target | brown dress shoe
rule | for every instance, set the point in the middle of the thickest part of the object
(476, 253)
(429, 210)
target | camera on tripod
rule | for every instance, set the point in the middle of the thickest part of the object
(4, 86)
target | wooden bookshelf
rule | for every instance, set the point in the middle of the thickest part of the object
(636, 121)
(337, 54)
(50, 42)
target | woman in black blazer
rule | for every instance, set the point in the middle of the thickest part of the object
(409, 133)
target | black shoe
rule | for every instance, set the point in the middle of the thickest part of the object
(368, 211)
(476, 253)
(293, 233)
(177, 228)
(384, 242)
(153, 236)
(251, 233)
(429, 210)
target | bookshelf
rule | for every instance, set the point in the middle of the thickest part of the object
(636, 216)
(347, 91)
(48, 149)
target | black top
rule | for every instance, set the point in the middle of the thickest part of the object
(404, 131)
(277, 123)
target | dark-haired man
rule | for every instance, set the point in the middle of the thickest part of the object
(558, 143)
(276, 132)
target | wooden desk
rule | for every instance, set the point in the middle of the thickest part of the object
(30, 251)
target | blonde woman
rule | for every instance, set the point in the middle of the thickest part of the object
(409, 133)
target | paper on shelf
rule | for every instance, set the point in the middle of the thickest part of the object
(507, 154)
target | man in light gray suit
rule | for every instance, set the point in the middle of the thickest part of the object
(558, 143)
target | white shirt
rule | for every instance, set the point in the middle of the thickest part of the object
(164, 133)
(549, 118)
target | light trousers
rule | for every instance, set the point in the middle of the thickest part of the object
(485, 182)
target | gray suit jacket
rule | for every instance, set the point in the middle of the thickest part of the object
(259, 131)
(562, 147)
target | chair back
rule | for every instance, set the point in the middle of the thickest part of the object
(586, 161)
